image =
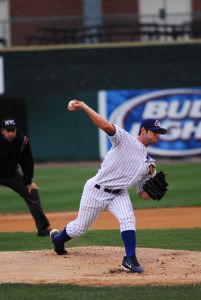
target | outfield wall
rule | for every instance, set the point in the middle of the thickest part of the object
(57, 134)
(46, 77)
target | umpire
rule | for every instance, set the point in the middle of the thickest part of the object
(16, 171)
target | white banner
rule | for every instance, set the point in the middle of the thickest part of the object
(1, 76)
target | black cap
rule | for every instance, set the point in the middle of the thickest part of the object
(9, 124)
(153, 125)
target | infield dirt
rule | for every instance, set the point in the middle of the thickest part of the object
(155, 218)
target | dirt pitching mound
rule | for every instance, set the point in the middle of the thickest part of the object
(100, 266)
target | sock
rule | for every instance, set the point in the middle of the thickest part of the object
(62, 238)
(129, 239)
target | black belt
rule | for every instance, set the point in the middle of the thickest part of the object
(108, 190)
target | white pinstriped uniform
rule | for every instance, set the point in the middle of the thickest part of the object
(126, 164)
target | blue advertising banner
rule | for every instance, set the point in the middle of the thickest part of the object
(178, 110)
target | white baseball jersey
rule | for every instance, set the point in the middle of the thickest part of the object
(126, 164)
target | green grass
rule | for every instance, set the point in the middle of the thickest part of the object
(40, 292)
(189, 239)
(61, 188)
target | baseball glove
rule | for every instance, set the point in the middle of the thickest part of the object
(156, 186)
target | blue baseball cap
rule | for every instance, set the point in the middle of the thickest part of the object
(153, 125)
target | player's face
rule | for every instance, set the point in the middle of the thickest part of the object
(153, 137)
(9, 134)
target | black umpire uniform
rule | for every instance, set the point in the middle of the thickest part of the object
(14, 154)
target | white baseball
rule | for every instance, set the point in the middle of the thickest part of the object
(70, 104)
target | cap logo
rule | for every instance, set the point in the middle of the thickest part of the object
(157, 123)
(9, 122)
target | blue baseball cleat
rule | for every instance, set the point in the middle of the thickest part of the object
(60, 250)
(130, 264)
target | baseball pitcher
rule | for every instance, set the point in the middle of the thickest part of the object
(127, 163)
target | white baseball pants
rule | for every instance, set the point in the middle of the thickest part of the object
(94, 201)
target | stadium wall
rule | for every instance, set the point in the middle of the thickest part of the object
(46, 78)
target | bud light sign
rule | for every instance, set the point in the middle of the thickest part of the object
(178, 110)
